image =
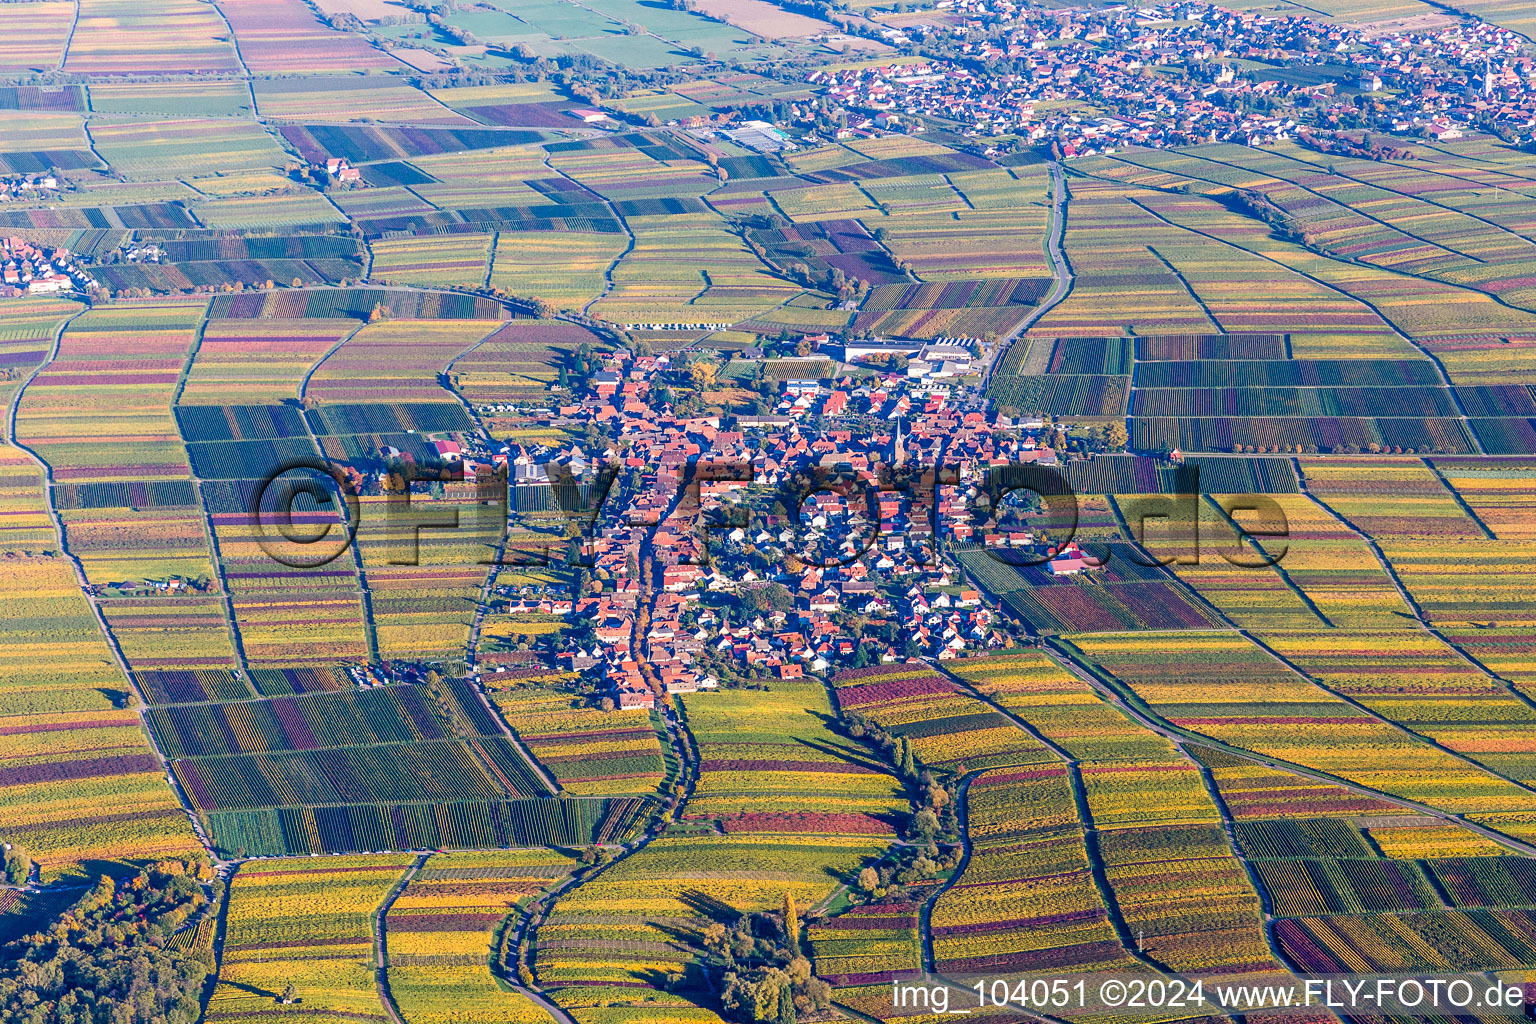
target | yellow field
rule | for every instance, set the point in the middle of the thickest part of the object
(440, 260)
(564, 269)
(350, 100)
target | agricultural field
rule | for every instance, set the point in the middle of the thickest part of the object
(1268, 709)
(719, 281)
(432, 260)
(32, 141)
(126, 501)
(519, 362)
(350, 99)
(155, 149)
(308, 924)
(303, 304)
(582, 747)
(790, 831)
(1157, 825)
(277, 36)
(35, 37)
(1129, 596)
(565, 269)
(251, 362)
(395, 362)
(116, 37)
(510, 104)
(443, 932)
(150, 99)
(948, 729)
(303, 210)
(79, 783)
(365, 143)
(1027, 835)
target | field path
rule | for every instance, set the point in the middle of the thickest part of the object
(1061, 269)
(608, 284)
(539, 910)
(69, 39)
(381, 939)
(1408, 598)
(365, 595)
(472, 644)
(1084, 817)
(1426, 198)
(1465, 508)
(684, 748)
(513, 940)
(236, 643)
(234, 42)
(1199, 599)
(1229, 826)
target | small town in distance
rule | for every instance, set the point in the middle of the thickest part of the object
(597, 512)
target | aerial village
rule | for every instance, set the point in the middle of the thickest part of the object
(696, 570)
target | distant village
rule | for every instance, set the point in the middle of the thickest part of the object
(1090, 80)
(28, 268)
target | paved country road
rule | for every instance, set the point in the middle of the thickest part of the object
(1055, 231)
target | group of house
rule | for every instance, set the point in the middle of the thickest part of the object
(27, 268)
(698, 566)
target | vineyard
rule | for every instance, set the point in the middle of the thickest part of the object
(295, 831)
(427, 743)
(442, 935)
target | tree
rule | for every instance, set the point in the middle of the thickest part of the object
(606, 704)
(378, 312)
(869, 880)
(18, 866)
(786, 1005)
(1115, 436)
(104, 959)
(770, 597)
(701, 374)
(791, 921)
(759, 996)
(925, 824)
(289, 994)
(908, 762)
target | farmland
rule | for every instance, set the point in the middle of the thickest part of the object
(443, 929)
(422, 429)
(35, 41)
(320, 920)
(580, 747)
(113, 37)
(147, 148)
